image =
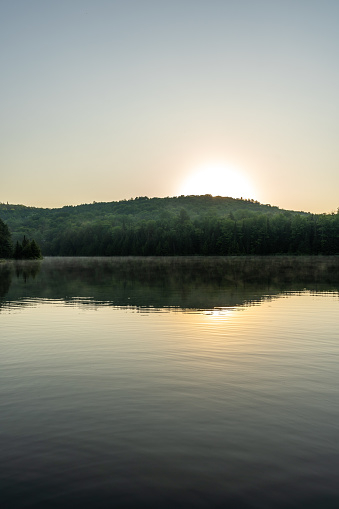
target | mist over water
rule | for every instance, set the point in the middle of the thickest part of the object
(176, 382)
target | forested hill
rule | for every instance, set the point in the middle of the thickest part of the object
(184, 225)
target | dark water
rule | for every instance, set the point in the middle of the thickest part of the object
(170, 383)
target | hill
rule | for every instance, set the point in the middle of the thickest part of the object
(172, 226)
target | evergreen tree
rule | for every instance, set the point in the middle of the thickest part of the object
(6, 246)
(26, 249)
(35, 250)
(18, 251)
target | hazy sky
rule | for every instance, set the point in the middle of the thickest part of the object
(106, 100)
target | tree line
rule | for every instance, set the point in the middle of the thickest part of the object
(257, 235)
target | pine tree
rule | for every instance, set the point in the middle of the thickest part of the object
(6, 246)
(26, 249)
(35, 250)
(18, 251)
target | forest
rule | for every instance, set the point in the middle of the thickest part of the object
(185, 225)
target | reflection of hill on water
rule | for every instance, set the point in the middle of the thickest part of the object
(184, 282)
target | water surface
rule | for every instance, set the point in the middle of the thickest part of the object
(205, 382)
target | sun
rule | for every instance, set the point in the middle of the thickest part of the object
(218, 180)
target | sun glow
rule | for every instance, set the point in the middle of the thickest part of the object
(218, 180)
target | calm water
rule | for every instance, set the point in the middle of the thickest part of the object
(171, 383)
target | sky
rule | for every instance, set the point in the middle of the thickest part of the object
(109, 100)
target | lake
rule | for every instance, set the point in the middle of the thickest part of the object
(170, 383)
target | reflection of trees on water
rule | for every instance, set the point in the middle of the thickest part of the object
(5, 279)
(26, 269)
(10, 270)
(181, 282)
